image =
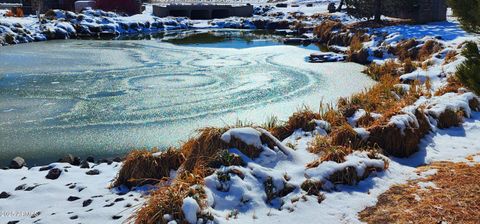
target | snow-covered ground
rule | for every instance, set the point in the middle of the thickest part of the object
(241, 198)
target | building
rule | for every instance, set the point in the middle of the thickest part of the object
(423, 11)
(203, 11)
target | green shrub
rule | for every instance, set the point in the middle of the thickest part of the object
(469, 71)
(468, 12)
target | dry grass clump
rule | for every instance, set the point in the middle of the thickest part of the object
(454, 200)
(142, 167)
(427, 49)
(319, 144)
(409, 66)
(302, 119)
(389, 68)
(453, 84)
(450, 118)
(393, 142)
(331, 153)
(379, 98)
(405, 49)
(345, 136)
(169, 199)
(450, 57)
(366, 121)
(324, 30)
(356, 43)
(329, 114)
(201, 149)
(312, 187)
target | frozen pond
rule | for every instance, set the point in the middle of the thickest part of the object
(103, 98)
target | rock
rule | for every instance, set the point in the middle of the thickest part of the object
(281, 5)
(90, 159)
(116, 217)
(4, 195)
(13, 222)
(93, 172)
(117, 159)
(309, 4)
(109, 205)
(84, 165)
(87, 202)
(53, 174)
(74, 217)
(17, 163)
(119, 199)
(72, 198)
(70, 159)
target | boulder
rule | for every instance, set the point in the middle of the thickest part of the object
(53, 174)
(17, 163)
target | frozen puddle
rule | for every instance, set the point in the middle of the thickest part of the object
(104, 98)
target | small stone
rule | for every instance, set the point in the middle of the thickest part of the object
(128, 205)
(53, 174)
(109, 205)
(4, 195)
(87, 202)
(23, 178)
(13, 222)
(17, 163)
(74, 217)
(119, 199)
(116, 217)
(32, 187)
(72, 198)
(84, 165)
(93, 172)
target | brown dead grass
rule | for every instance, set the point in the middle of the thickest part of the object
(427, 49)
(450, 57)
(324, 30)
(393, 142)
(453, 84)
(142, 167)
(450, 118)
(168, 199)
(345, 136)
(389, 68)
(302, 119)
(319, 144)
(457, 199)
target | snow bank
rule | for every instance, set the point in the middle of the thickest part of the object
(358, 160)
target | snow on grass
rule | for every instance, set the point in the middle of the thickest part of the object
(248, 135)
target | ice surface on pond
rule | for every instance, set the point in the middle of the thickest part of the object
(107, 97)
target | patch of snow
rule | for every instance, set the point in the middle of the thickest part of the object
(248, 135)
(190, 208)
